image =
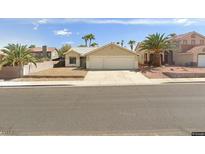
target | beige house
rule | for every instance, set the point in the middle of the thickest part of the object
(190, 49)
(45, 51)
(110, 56)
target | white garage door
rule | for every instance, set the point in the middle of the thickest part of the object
(201, 60)
(114, 62)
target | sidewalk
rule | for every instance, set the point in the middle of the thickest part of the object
(100, 83)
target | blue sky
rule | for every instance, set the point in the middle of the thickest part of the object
(56, 32)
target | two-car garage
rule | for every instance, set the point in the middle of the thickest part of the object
(111, 57)
(111, 62)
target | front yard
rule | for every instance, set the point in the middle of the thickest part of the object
(173, 72)
(54, 74)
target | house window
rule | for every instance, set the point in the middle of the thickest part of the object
(184, 42)
(201, 41)
(72, 60)
(193, 42)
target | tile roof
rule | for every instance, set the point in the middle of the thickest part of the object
(39, 49)
(178, 37)
(197, 49)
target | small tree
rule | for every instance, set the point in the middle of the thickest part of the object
(156, 43)
(94, 44)
(172, 34)
(63, 49)
(17, 55)
(32, 46)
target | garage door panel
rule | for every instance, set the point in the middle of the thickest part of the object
(108, 62)
(201, 60)
(118, 63)
(96, 63)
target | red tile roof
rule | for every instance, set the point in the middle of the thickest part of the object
(39, 49)
(197, 49)
(179, 37)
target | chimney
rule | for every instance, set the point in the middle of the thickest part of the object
(44, 50)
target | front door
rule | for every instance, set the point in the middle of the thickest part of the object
(83, 62)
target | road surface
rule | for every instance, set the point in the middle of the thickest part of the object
(175, 109)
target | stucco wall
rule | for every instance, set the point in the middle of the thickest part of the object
(141, 57)
(72, 54)
(183, 59)
(54, 54)
(31, 68)
(10, 72)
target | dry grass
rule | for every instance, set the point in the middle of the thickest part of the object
(60, 73)
(47, 79)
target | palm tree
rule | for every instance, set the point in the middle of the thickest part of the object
(94, 44)
(85, 38)
(132, 43)
(91, 37)
(157, 43)
(63, 49)
(17, 55)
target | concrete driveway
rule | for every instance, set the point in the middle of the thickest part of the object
(116, 77)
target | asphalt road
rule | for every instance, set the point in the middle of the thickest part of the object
(127, 110)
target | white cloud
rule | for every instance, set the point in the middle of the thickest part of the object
(69, 42)
(131, 21)
(63, 32)
(145, 21)
(39, 22)
(43, 21)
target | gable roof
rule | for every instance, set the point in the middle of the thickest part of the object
(88, 50)
(82, 50)
(111, 44)
(181, 36)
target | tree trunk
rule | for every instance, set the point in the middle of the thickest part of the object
(86, 43)
(90, 42)
(156, 59)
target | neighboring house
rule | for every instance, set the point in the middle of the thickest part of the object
(45, 51)
(187, 50)
(190, 49)
(110, 56)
